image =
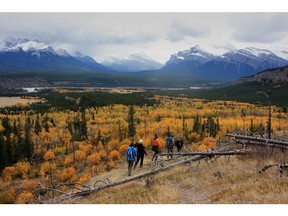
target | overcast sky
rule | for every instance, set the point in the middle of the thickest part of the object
(157, 35)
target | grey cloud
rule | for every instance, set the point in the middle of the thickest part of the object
(178, 31)
(260, 27)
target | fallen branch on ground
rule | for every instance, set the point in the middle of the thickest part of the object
(281, 168)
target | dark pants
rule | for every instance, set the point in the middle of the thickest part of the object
(130, 166)
(141, 158)
(170, 150)
(179, 148)
(156, 151)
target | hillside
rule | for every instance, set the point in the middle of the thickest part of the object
(58, 145)
(245, 92)
(227, 180)
(275, 76)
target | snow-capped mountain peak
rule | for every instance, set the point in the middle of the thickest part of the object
(258, 52)
(62, 52)
(134, 62)
(195, 54)
(252, 52)
(13, 45)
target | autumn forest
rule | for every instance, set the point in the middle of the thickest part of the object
(63, 141)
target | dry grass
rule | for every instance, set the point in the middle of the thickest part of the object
(229, 180)
(11, 101)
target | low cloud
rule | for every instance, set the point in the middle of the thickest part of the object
(178, 31)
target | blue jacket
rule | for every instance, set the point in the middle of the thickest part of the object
(132, 150)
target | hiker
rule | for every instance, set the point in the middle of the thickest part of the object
(131, 154)
(170, 145)
(179, 143)
(156, 146)
(140, 153)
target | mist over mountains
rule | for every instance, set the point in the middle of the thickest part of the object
(35, 58)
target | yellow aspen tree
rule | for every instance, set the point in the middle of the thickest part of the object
(25, 198)
(114, 155)
(67, 174)
(92, 160)
(9, 173)
(50, 156)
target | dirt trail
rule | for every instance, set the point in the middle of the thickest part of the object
(188, 194)
(193, 195)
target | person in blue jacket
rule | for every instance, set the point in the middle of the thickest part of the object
(131, 154)
(170, 144)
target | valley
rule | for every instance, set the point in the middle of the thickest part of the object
(63, 141)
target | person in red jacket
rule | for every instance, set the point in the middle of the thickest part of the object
(156, 146)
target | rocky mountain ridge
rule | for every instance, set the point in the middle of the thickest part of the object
(275, 76)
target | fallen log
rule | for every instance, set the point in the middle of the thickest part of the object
(268, 145)
(281, 168)
(204, 153)
(251, 138)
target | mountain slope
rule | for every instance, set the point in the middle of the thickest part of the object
(24, 54)
(275, 76)
(135, 62)
(229, 66)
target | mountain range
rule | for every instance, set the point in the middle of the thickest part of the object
(194, 65)
(231, 65)
(25, 54)
(134, 63)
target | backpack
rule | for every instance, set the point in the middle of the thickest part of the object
(129, 153)
(155, 142)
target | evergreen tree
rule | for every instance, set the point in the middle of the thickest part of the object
(8, 155)
(27, 142)
(130, 120)
(2, 152)
(197, 124)
(99, 137)
(45, 123)
(37, 126)
(211, 127)
(83, 127)
(18, 140)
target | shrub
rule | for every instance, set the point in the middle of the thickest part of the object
(123, 149)
(25, 198)
(67, 174)
(9, 173)
(114, 155)
(23, 169)
(8, 197)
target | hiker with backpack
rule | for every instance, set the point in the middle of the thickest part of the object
(170, 145)
(179, 143)
(131, 154)
(140, 153)
(156, 146)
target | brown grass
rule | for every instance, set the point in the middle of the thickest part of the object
(229, 180)
(11, 101)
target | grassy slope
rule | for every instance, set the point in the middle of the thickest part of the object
(228, 180)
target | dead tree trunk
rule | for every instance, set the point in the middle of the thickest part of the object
(251, 138)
